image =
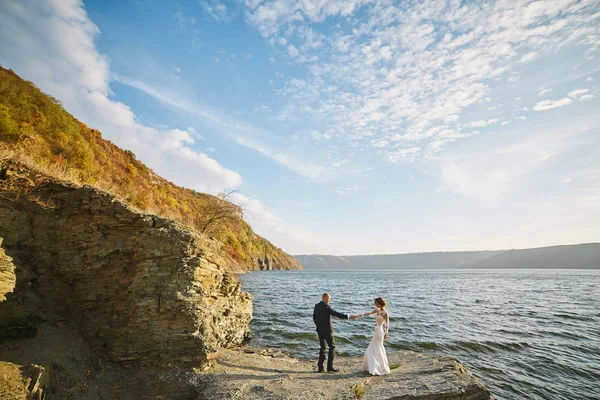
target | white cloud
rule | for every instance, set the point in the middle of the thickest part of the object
(481, 123)
(216, 10)
(406, 154)
(543, 91)
(529, 57)
(262, 108)
(56, 50)
(293, 51)
(317, 136)
(346, 191)
(504, 123)
(550, 104)
(575, 94)
(269, 17)
(379, 143)
(586, 97)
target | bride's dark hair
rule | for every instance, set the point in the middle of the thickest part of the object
(381, 301)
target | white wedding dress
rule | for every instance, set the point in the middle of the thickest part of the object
(375, 360)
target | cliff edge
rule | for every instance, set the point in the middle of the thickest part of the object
(142, 289)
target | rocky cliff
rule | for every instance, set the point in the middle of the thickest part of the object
(142, 289)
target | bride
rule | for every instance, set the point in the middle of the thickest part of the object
(375, 360)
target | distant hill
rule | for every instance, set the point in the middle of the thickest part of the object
(581, 256)
(35, 129)
(437, 260)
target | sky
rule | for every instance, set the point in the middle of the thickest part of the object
(346, 126)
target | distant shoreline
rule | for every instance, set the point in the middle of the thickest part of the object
(584, 256)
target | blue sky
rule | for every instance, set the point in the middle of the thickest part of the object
(349, 127)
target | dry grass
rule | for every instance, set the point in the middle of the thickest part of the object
(360, 390)
(59, 173)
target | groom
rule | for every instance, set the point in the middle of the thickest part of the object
(322, 317)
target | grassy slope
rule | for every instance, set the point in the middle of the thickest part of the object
(35, 125)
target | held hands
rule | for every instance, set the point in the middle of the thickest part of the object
(353, 317)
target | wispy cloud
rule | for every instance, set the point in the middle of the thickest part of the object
(242, 133)
(216, 10)
(529, 57)
(481, 123)
(403, 75)
(347, 190)
(543, 91)
(550, 104)
(578, 93)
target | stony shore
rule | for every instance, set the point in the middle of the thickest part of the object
(71, 370)
(255, 373)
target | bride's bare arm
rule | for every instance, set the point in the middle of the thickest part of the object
(367, 314)
(387, 325)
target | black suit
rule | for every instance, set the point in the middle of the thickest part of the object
(322, 317)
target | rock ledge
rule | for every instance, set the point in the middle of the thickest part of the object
(252, 373)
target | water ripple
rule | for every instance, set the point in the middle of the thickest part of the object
(527, 334)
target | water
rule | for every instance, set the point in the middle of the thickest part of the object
(526, 334)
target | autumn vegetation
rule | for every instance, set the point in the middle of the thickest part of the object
(35, 128)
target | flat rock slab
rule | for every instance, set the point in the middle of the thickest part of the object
(251, 373)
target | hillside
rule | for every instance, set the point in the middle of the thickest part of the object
(582, 256)
(35, 129)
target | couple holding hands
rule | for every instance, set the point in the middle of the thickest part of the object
(375, 360)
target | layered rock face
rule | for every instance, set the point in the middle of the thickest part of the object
(7, 274)
(142, 289)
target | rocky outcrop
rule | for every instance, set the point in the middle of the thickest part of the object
(252, 374)
(7, 274)
(142, 289)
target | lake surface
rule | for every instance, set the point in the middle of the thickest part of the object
(526, 334)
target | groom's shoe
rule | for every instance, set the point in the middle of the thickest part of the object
(320, 370)
(332, 369)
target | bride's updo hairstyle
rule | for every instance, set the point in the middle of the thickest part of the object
(381, 301)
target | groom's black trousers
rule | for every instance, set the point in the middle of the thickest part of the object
(324, 341)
